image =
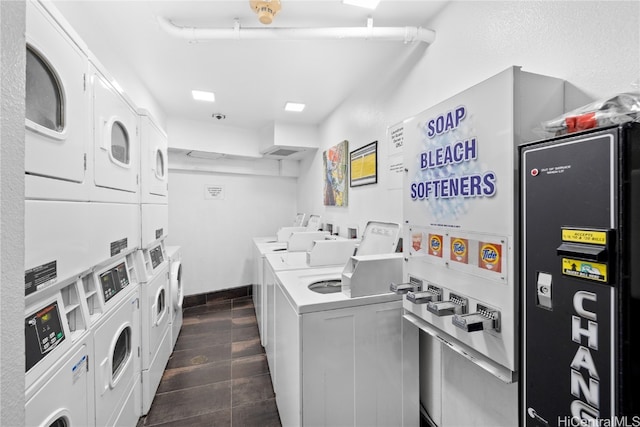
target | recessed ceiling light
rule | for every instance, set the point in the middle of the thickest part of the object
(294, 106)
(367, 4)
(201, 95)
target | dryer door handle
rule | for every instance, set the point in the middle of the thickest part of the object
(104, 367)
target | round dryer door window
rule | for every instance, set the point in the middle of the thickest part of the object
(60, 422)
(120, 143)
(121, 352)
(159, 164)
(44, 96)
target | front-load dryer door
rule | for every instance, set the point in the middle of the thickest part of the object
(154, 162)
(56, 118)
(116, 139)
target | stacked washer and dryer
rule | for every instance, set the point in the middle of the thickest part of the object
(88, 237)
(152, 262)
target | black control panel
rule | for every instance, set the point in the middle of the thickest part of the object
(156, 256)
(42, 333)
(114, 280)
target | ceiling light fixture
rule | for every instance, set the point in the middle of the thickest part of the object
(266, 9)
(367, 4)
(200, 95)
(294, 106)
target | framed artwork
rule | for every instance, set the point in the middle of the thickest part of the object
(364, 165)
(334, 161)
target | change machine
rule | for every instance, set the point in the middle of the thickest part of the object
(581, 279)
(460, 239)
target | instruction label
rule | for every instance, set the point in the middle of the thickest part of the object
(584, 269)
(79, 368)
(584, 236)
(39, 275)
(118, 246)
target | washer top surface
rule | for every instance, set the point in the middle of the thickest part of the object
(173, 252)
(281, 261)
(271, 247)
(295, 284)
(268, 239)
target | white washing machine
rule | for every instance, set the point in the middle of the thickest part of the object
(154, 184)
(57, 122)
(58, 356)
(176, 290)
(115, 165)
(340, 359)
(116, 341)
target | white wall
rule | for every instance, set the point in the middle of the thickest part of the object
(216, 235)
(12, 80)
(475, 40)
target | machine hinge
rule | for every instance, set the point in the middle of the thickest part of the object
(137, 179)
(88, 363)
(84, 82)
(138, 351)
(85, 162)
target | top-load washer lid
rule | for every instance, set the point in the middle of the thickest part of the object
(299, 221)
(379, 238)
(314, 223)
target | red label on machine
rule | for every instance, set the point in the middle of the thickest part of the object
(460, 250)
(435, 245)
(490, 256)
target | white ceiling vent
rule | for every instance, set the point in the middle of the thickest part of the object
(284, 152)
(208, 155)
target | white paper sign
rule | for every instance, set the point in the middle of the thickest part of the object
(396, 139)
(213, 192)
(396, 170)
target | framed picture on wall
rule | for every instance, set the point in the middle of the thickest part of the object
(364, 165)
(335, 175)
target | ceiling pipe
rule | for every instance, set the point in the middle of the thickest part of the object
(193, 34)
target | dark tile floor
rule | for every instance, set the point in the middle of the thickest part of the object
(218, 373)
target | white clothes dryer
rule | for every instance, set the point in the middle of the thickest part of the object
(58, 356)
(116, 340)
(59, 397)
(57, 121)
(156, 345)
(116, 141)
(154, 184)
(176, 291)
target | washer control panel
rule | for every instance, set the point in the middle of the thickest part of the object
(114, 280)
(43, 332)
(156, 256)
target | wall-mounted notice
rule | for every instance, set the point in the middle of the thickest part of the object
(395, 137)
(213, 192)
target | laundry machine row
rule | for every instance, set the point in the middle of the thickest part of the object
(82, 349)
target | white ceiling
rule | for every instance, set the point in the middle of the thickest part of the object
(252, 80)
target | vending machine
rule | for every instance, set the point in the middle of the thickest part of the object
(460, 242)
(580, 259)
